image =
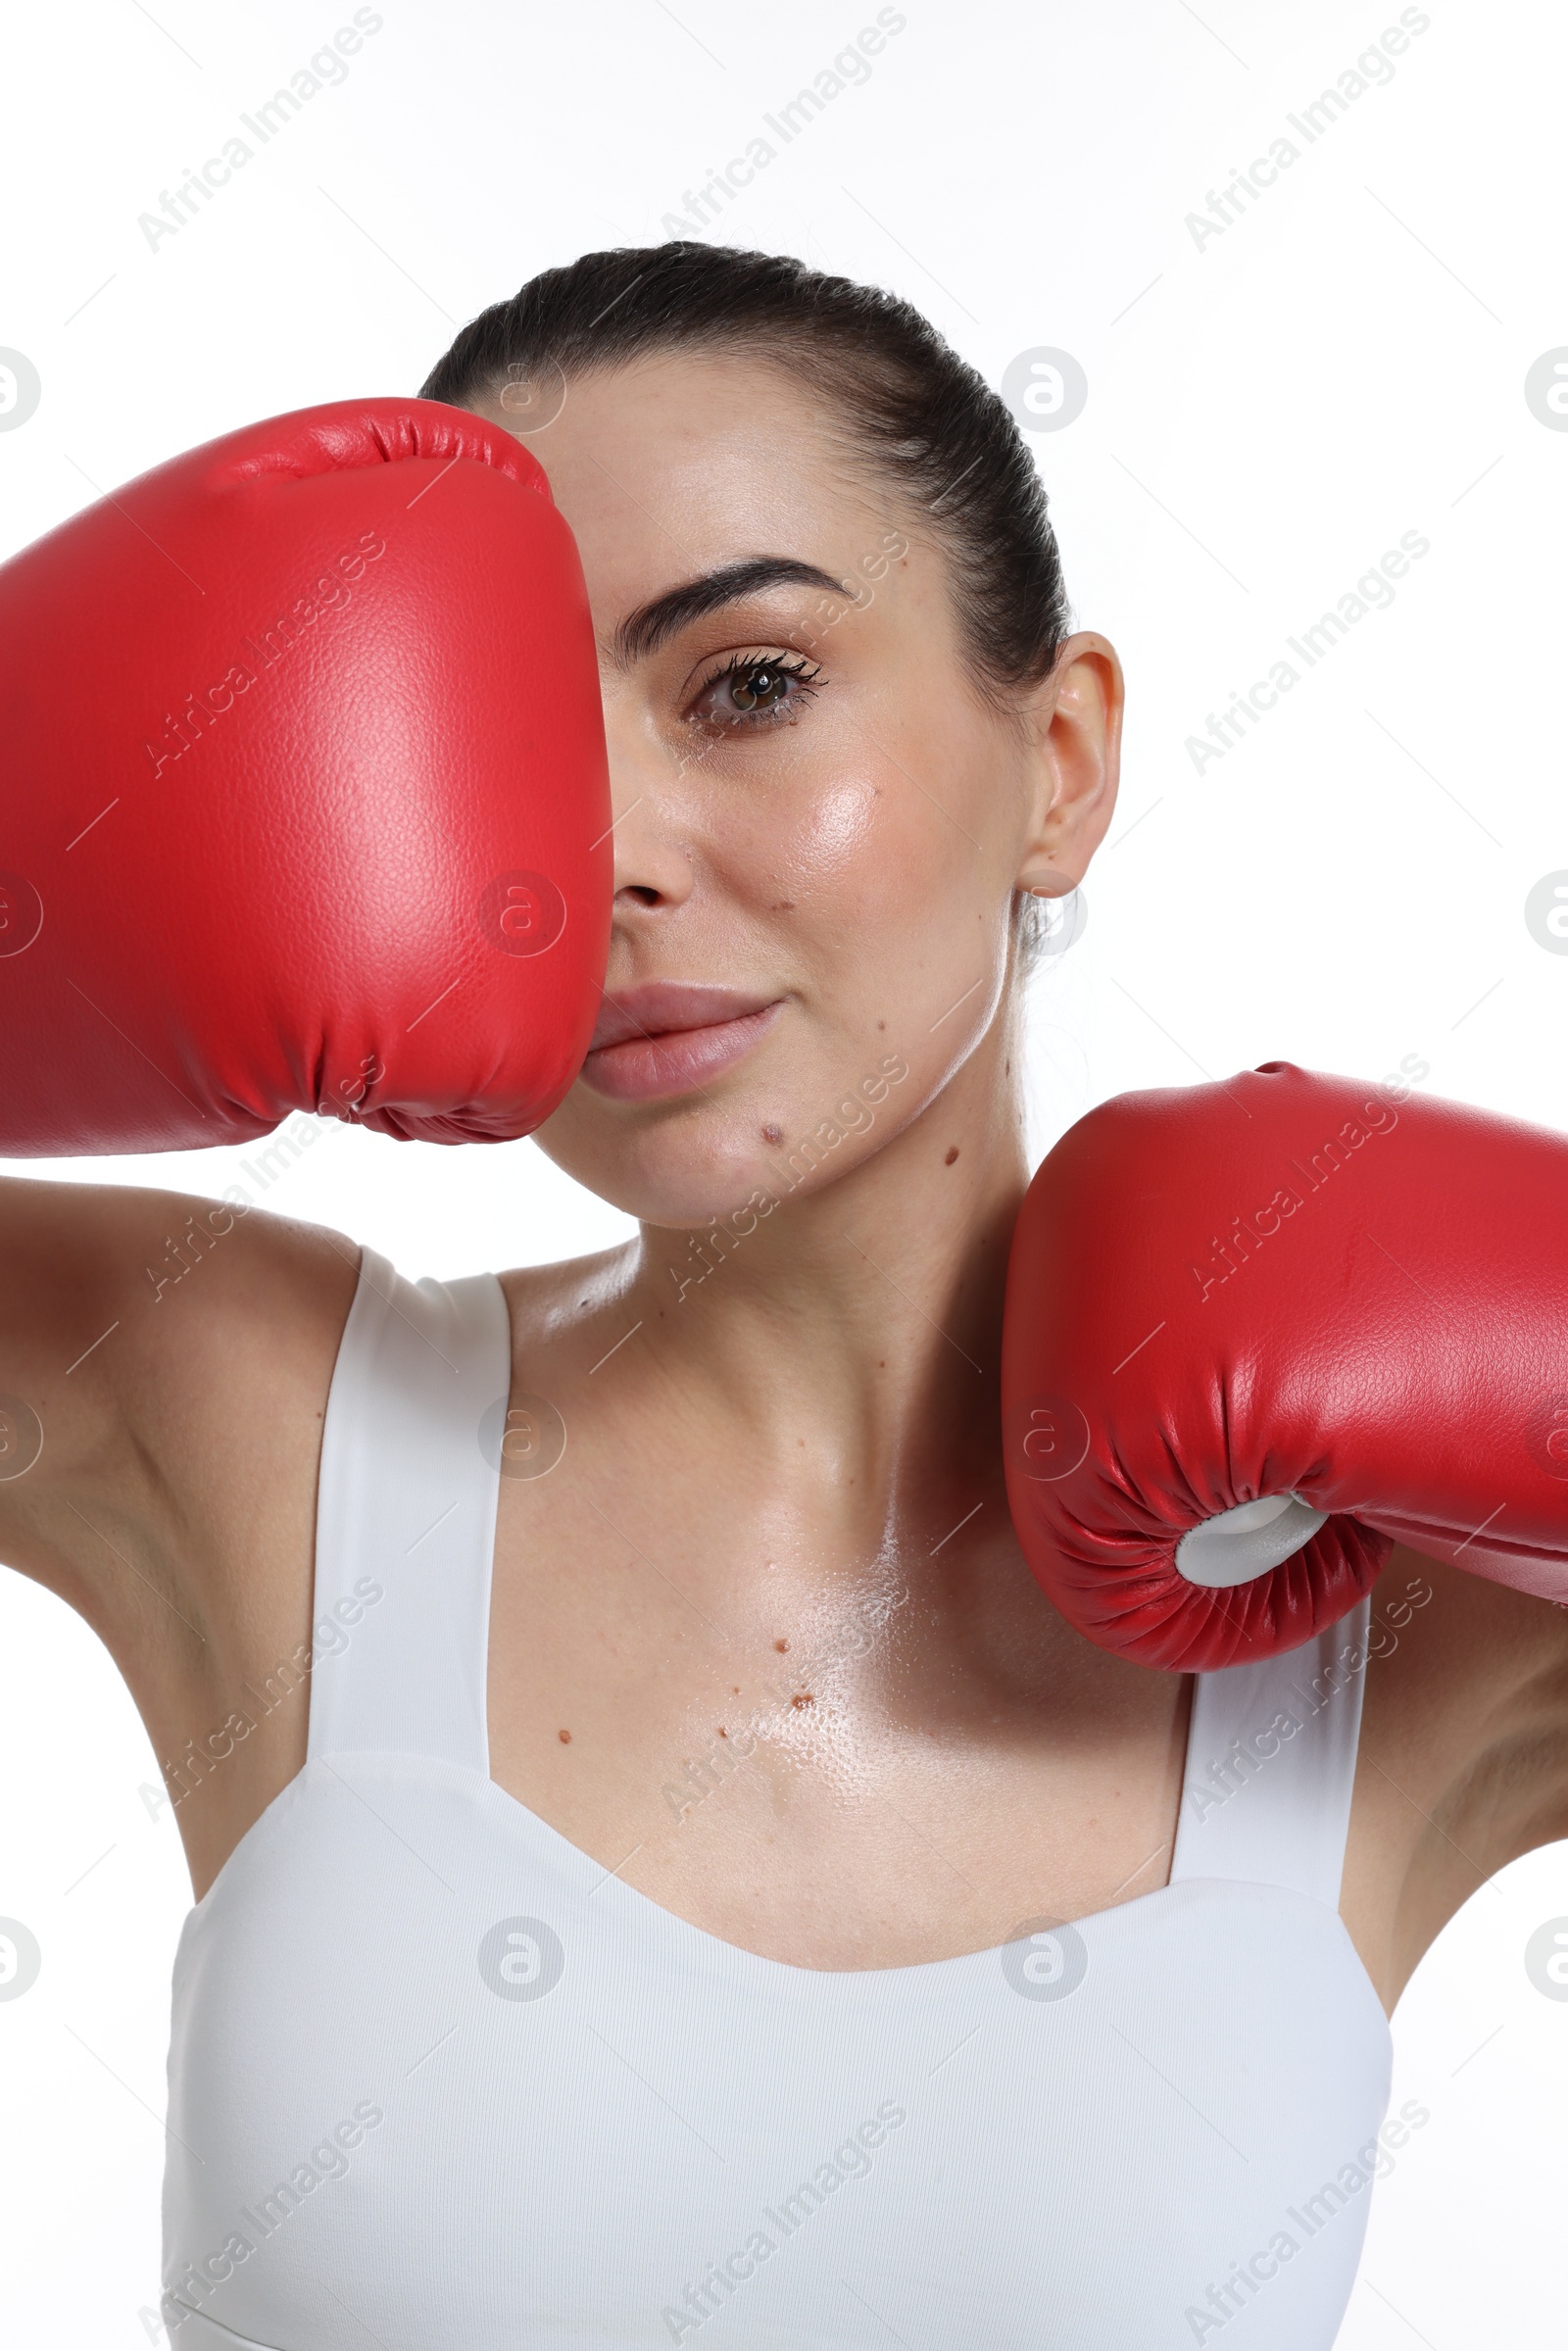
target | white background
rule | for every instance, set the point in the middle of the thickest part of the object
(1267, 413)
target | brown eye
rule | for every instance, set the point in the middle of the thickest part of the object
(756, 690)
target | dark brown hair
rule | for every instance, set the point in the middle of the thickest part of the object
(928, 424)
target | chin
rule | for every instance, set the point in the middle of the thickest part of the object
(687, 1161)
(662, 1167)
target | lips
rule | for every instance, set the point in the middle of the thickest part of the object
(664, 1038)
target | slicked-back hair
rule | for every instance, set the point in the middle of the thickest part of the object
(923, 421)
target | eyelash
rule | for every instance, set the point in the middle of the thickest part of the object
(807, 678)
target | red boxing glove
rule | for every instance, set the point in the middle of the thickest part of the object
(1336, 1311)
(305, 799)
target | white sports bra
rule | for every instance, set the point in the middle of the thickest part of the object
(439, 2081)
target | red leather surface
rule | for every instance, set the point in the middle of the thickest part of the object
(1393, 1347)
(376, 877)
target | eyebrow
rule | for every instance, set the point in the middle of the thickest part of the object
(652, 624)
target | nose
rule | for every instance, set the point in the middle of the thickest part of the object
(650, 816)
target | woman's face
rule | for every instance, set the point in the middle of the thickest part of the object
(819, 823)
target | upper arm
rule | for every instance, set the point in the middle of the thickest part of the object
(1464, 1743)
(149, 1342)
(1512, 1792)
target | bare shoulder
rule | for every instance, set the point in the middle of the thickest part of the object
(1463, 1760)
(557, 1309)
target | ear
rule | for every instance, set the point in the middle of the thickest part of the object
(1074, 727)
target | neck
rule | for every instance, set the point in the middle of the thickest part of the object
(850, 1337)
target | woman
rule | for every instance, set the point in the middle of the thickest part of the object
(736, 1898)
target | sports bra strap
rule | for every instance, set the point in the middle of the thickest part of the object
(405, 1535)
(406, 1517)
(1271, 1763)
